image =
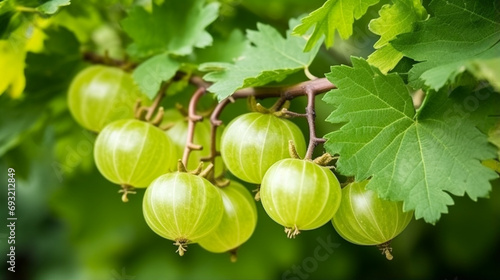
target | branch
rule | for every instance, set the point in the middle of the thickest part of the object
(106, 60)
(192, 119)
(309, 88)
(195, 80)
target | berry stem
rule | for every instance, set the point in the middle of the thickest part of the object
(156, 102)
(145, 113)
(193, 118)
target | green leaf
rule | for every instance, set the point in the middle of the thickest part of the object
(436, 73)
(270, 58)
(416, 157)
(494, 137)
(51, 7)
(460, 32)
(394, 19)
(175, 27)
(151, 73)
(16, 123)
(333, 15)
(223, 50)
(5, 6)
(7, 10)
(50, 73)
(486, 69)
(385, 58)
(12, 59)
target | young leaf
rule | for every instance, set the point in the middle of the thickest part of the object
(270, 58)
(174, 26)
(394, 19)
(151, 73)
(333, 15)
(415, 157)
(460, 31)
(486, 69)
(12, 69)
(12, 60)
(51, 7)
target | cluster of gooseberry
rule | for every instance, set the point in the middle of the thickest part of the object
(141, 146)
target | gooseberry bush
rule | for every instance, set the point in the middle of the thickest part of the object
(416, 121)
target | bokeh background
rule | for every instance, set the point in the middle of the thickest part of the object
(72, 224)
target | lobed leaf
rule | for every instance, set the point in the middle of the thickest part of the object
(151, 73)
(176, 27)
(459, 33)
(419, 157)
(334, 15)
(394, 19)
(270, 58)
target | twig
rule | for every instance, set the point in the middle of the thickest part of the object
(156, 103)
(146, 113)
(279, 104)
(192, 119)
(319, 86)
(106, 60)
(311, 116)
(214, 124)
(195, 80)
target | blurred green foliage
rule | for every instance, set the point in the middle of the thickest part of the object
(72, 224)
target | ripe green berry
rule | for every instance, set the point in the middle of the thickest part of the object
(252, 142)
(134, 153)
(365, 219)
(300, 195)
(238, 222)
(99, 95)
(182, 207)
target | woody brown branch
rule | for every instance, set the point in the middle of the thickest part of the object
(308, 88)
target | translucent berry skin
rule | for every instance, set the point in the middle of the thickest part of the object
(182, 206)
(178, 133)
(252, 142)
(99, 95)
(365, 219)
(300, 194)
(134, 153)
(238, 221)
